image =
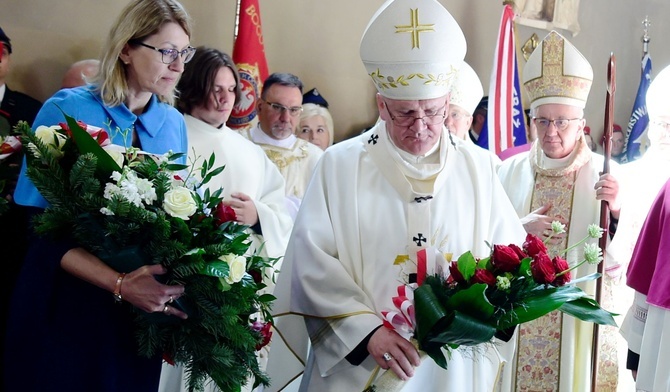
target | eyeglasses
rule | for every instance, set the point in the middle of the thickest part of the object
(408, 121)
(662, 124)
(560, 123)
(457, 116)
(281, 109)
(168, 56)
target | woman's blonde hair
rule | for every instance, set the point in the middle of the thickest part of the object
(140, 19)
(310, 110)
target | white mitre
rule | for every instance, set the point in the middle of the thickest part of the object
(557, 72)
(467, 90)
(658, 103)
(412, 49)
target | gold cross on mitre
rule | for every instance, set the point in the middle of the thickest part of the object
(415, 28)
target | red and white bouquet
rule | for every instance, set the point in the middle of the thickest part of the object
(468, 301)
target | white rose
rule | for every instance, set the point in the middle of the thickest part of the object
(237, 266)
(179, 203)
(116, 152)
(51, 138)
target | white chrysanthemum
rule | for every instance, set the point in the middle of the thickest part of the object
(503, 283)
(146, 190)
(106, 211)
(557, 227)
(592, 253)
(594, 231)
(179, 203)
(237, 267)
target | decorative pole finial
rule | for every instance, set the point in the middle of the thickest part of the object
(645, 38)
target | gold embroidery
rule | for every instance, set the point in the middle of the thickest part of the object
(386, 82)
(415, 28)
(553, 82)
(284, 158)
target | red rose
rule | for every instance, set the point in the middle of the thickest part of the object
(223, 214)
(167, 357)
(533, 245)
(560, 265)
(504, 258)
(483, 276)
(519, 252)
(256, 275)
(543, 269)
(264, 331)
(455, 273)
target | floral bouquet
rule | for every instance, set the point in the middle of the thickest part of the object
(469, 301)
(130, 209)
(9, 145)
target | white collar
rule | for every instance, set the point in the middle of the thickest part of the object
(260, 137)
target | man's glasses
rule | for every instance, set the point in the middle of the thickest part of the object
(560, 123)
(428, 119)
(168, 56)
(662, 124)
(281, 109)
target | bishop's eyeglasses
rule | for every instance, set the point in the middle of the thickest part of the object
(560, 123)
(433, 118)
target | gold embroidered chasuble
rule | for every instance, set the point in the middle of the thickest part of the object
(554, 351)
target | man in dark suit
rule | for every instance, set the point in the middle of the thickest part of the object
(14, 107)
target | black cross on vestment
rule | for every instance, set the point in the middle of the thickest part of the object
(373, 139)
(422, 198)
(419, 239)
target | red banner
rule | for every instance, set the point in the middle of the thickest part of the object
(249, 56)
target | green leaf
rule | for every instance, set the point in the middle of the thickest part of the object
(219, 269)
(538, 304)
(472, 301)
(176, 166)
(467, 265)
(524, 267)
(461, 329)
(86, 144)
(587, 309)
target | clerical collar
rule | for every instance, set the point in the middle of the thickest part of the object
(258, 136)
(562, 166)
(422, 167)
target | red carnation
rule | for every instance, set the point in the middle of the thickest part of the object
(543, 269)
(483, 276)
(223, 214)
(455, 273)
(504, 258)
(264, 331)
(533, 245)
(560, 265)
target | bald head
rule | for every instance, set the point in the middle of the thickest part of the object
(79, 73)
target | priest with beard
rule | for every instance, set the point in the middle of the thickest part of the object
(399, 188)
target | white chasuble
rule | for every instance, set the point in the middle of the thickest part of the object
(554, 352)
(366, 205)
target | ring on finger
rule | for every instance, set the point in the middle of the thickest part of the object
(171, 300)
(387, 357)
(165, 309)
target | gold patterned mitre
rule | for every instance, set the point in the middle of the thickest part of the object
(556, 72)
(412, 49)
(467, 90)
(657, 102)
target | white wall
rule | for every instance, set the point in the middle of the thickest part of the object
(318, 40)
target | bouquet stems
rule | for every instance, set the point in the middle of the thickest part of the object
(389, 381)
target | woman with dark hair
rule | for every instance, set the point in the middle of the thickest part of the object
(252, 185)
(66, 331)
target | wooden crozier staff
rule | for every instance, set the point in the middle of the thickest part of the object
(604, 208)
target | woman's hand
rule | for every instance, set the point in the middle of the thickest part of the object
(143, 291)
(139, 287)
